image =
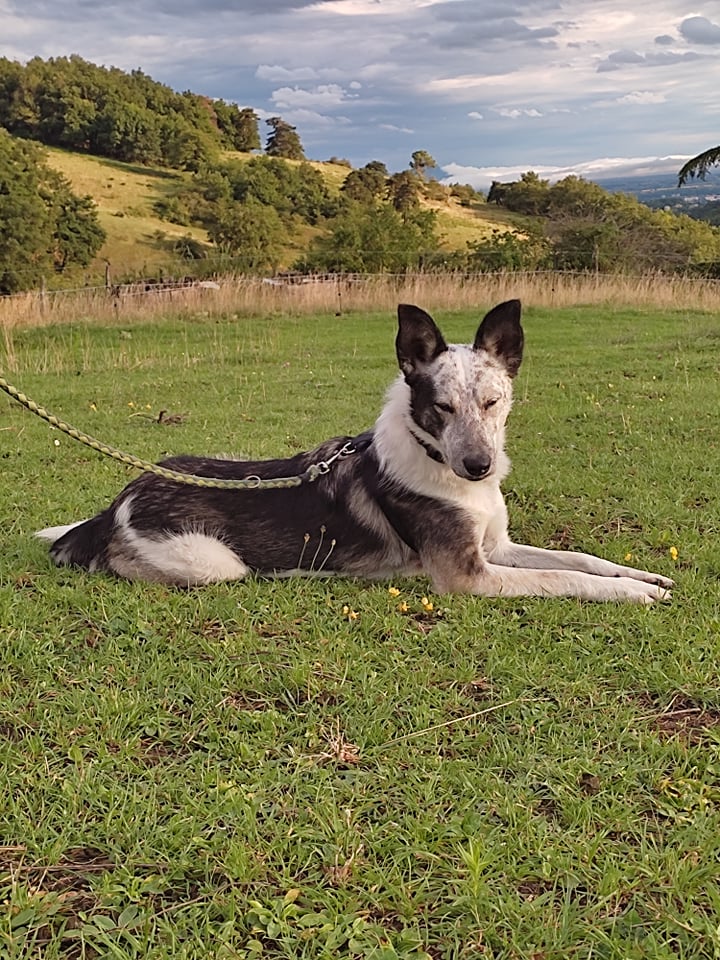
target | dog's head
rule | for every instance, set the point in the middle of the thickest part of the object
(460, 395)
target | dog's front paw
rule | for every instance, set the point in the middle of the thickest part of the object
(638, 591)
(665, 582)
(644, 576)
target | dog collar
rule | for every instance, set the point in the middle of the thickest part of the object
(431, 451)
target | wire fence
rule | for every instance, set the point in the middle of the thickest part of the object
(240, 294)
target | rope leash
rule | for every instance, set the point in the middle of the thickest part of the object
(314, 471)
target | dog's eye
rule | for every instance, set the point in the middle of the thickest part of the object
(444, 407)
(490, 403)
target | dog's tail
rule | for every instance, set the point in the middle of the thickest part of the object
(80, 544)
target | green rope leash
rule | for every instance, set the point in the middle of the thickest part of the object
(314, 471)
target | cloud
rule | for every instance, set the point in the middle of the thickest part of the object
(642, 97)
(325, 96)
(393, 129)
(277, 74)
(700, 30)
(476, 26)
(624, 58)
(602, 169)
(618, 58)
(312, 120)
(514, 113)
(503, 79)
(173, 8)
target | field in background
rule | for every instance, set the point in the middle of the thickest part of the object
(321, 769)
(243, 296)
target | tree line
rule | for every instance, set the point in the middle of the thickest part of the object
(575, 224)
(71, 103)
(261, 205)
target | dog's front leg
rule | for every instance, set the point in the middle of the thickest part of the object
(466, 570)
(510, 554)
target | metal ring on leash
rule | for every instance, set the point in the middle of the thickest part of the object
(247, 483)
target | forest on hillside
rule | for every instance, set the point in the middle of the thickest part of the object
(253, 208)
(71, 103)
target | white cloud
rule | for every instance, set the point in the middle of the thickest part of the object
(326, 96)
(393, 129)
(276, 74)
(514, 113)
(642, 97)
(603, 168)
(474, 115)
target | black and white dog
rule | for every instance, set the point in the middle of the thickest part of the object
(420, 494)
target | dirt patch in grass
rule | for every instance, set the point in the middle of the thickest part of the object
(682, 717)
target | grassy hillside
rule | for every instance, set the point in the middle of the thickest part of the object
(137, 239)
(139, 242)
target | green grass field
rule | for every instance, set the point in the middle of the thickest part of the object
(322, 769)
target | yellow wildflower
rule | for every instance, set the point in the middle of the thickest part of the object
(350, 613)
(628, 557)
(427, 604)
(393, 591)
(403, 607)
(673, 551)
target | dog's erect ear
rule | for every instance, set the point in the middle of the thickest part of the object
(418, 339)
(501, 335)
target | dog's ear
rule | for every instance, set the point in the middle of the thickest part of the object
(501, 335)
(418, 339)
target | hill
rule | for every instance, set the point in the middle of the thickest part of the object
(141, 243)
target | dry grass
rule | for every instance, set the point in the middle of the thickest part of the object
(125, 195)
(251, 296)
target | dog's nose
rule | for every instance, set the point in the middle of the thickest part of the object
(477, 466)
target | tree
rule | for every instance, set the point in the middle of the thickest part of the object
(421, 161)
(251, 232)
(77, 236)
(528, 195)
(506, 250)
(372, 238)
(247, 137)
(403, 191)
(366, 184)
(283, 141)
(239, 128)
(69, 102)
(43, 225)
(699, 165)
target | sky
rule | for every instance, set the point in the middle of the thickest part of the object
(490, 88)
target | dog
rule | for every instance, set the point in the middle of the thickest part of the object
(419, 493)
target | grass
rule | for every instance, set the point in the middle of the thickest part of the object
(324, 769)
(241, 297)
